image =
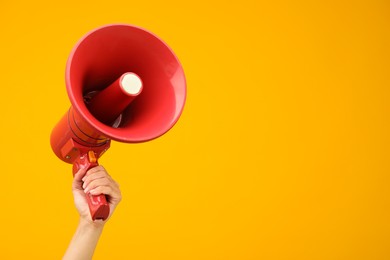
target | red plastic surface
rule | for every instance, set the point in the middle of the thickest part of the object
(103, 55)
(72, 134)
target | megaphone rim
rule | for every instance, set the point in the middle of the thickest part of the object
(102, 128)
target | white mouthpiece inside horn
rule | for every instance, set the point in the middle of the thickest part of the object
(131, 83)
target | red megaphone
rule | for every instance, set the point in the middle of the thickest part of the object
(125, 84)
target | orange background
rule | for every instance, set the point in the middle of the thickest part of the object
(282, 151)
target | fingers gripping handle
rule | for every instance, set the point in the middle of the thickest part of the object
(98, 205)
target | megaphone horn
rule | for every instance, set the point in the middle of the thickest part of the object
(124, 84)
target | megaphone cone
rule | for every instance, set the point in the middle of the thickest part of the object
(124, 84)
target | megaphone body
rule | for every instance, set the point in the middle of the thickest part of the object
(124, 84)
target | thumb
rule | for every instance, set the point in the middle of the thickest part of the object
(77, 178)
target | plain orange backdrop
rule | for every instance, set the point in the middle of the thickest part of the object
(282, 151)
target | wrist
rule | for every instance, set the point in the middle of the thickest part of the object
(91, 225)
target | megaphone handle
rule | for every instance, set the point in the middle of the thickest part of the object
(98, 205)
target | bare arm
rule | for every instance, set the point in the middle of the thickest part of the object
(96, 181)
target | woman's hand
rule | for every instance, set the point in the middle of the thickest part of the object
(95, 181)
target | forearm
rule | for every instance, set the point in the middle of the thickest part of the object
(84, 241)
